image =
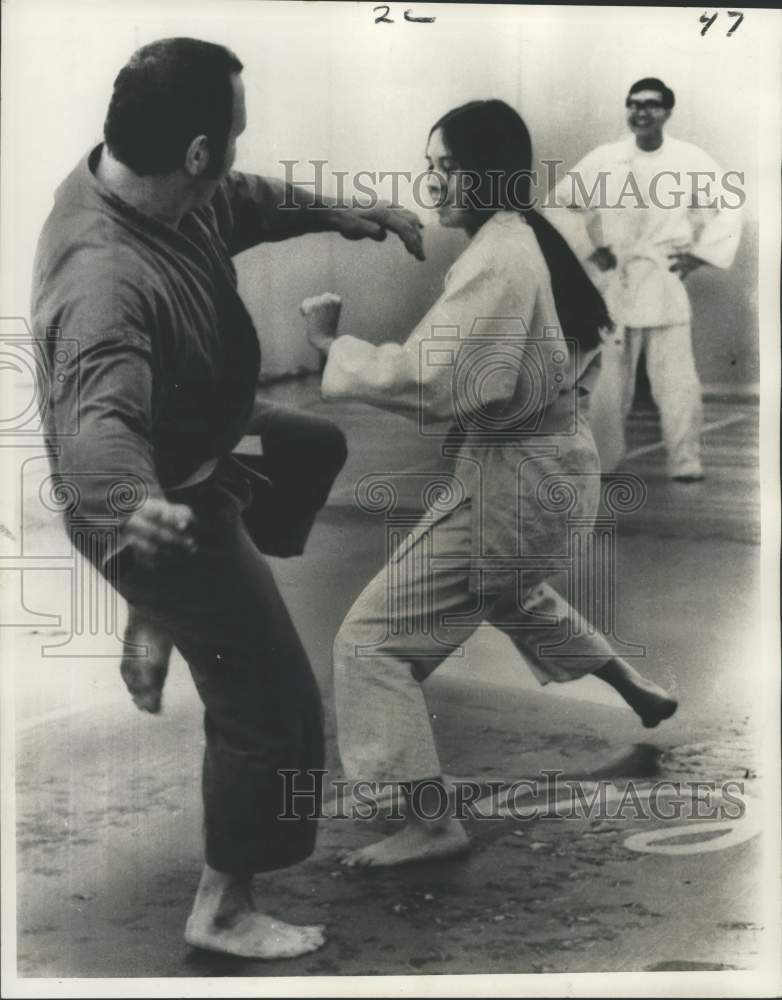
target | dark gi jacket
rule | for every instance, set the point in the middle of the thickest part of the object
(152, 357)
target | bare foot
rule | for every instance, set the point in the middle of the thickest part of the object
(656, 707)
(651, 702)
(254, 935)
(414, 842)
(647, 699)
(145, 675)
(224, 919)
(322, 312)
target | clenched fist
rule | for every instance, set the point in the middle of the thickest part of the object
(322, 313)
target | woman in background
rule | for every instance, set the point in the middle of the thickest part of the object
(516, 336)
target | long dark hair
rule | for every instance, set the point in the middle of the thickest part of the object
(490, 141)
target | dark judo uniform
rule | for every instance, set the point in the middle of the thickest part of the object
(153, 363)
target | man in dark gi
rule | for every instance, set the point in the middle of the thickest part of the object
(134, 264)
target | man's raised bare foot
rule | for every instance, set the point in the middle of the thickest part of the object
(224, 919)
(416, 841)
(145, 674)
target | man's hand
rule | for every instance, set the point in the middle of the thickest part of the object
(603, 258)
(322, 312)
(159, 531)
(684, 263)
(375, 223)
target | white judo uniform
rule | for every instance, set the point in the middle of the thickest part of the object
(644, 206)
(490, 349)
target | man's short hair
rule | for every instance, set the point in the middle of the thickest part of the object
(170, 92)
(652, 83)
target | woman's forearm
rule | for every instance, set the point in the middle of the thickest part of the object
(390, 376)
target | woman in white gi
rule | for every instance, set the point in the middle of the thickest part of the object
(490, 355)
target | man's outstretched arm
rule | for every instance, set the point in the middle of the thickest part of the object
(252, 210)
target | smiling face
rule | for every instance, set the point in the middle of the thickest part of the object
(444, 182)
(646, 115)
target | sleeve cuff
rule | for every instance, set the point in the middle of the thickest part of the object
(347, 359)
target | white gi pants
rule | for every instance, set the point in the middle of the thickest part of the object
(675, 386)
(402, 627)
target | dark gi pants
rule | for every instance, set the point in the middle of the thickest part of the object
(222, 610)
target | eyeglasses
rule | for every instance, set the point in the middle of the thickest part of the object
(652, 105)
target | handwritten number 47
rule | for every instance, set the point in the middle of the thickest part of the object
(707, 21)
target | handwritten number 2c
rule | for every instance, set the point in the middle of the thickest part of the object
(409, 16)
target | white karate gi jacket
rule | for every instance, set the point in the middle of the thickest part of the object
(644, 206)
(490, 358)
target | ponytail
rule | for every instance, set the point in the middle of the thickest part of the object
(580, 307)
